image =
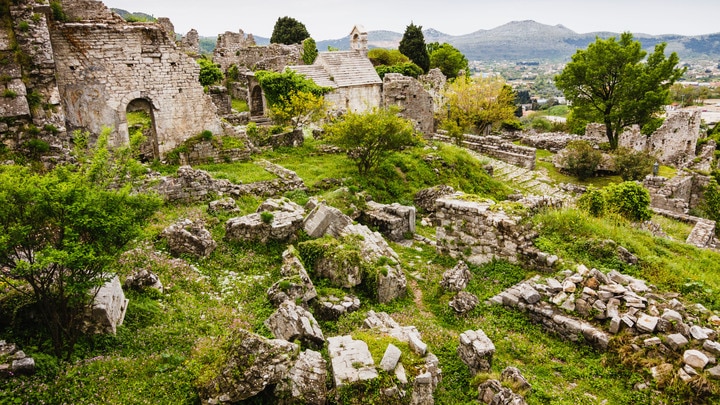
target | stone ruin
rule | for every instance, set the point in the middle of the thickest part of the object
(496, 147)
(90, 70)
(276, 220)
(239, 49)
(589, 306)
(416, 103)
(480, 231)
(108, 309)
(188, 237)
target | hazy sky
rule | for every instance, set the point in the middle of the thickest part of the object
(332, 19)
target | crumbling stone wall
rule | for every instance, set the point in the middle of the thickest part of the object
(104, 64)
(29, 101)
(434, 83)
(670, 194)
(190, 43)
(672, 144)
(240, 49)
(415, 102)
(481, 231)
(497, 147)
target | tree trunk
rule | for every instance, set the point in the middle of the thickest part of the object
(611, 135)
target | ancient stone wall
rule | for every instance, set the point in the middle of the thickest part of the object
(190, 43)
(416, 104)
(104, 65)
(670, 194)
(239, 49)
(29, 99)
(481, 231)
(357, 98)
(434, 83)
(497, 147)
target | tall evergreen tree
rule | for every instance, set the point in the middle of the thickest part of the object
(288, 31)
(413, 46)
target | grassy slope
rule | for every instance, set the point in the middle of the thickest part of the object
(152, 358)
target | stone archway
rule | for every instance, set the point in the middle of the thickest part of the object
(256, 102)
(140, 117)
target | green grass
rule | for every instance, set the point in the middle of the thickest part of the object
(544, 163)
(238, 172)
(240, 105)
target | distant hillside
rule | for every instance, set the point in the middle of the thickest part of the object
(137, 16)
(530, 40)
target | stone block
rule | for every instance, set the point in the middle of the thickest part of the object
(390, 358)
(351, 360)
(108, 309)
(677, 341)
(695, 359)
(646, 323)
(476, 350)
(291, 322)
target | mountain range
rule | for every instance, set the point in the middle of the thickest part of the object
(529, 41)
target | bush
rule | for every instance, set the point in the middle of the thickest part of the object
(206, 135)
(629, 199)
(210, 72)
(266, 217)
(593, 201)
(633, 165)
(581, 159)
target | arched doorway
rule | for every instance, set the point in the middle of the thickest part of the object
(256, 102)
(141, 120)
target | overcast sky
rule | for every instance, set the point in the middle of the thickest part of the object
(332, 19)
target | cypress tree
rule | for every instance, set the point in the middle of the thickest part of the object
(413, 46)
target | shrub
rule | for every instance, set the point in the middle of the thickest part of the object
(629, 199)
(633, 165)
(581, 159)
(9, 93)
(593, 201)
(57, 11)
(206, 135)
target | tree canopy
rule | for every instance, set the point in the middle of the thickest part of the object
(60, 230)
(387, 57)
(413, 46)
(370, 136)
(474, 105)
(448, 59)
(288, 31)
(611, 82)
(277, 86)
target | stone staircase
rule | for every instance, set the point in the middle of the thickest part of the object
(524, 180)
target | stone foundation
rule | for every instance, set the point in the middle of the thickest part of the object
(496, 147)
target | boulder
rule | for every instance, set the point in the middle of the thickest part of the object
(291, 322)
(476, 350)
(25, 365)
(677, 341)
(464, 302)
(457, 278)
(515, 378)
(390, 358)
(143, 279)
(188, 237)
(227, 204)
(391, 283)
(695, 359)
(305, 383)
(252, 364)
(325, 220)
(108, 308)
(714, 373)
(351, 360)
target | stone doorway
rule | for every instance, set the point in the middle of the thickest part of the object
(256, 102)
(140, 119)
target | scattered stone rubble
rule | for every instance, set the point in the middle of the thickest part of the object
(330, 307)
(457, 278)
(275, 220)
(188, 237)
(253, 363)
(14, 361)
(143, 279)
(295, 284)
(226, 204)
(306, 381)
(292, 322)
(464, 302)
(394, 221)
(494, 393)
(591, 306)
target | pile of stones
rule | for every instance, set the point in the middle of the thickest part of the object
(592, 306)
(13, 361)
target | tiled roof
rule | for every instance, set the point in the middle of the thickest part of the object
(340, 69)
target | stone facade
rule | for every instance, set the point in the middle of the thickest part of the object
(496, 147)
(240, 50)
(416, 104)
(103, 64)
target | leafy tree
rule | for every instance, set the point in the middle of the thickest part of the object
(60, 231)
(370, 136)
(448, 59)
(406, 68)
(475, 105)
(299, 108)
(413, 46)
(310, 52)
(278, 86)
(288, 31)
(210, 73)
(611, 82)
(581, 159)
(387, 57)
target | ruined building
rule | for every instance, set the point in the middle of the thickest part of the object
(355, 83)
(86, 68)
